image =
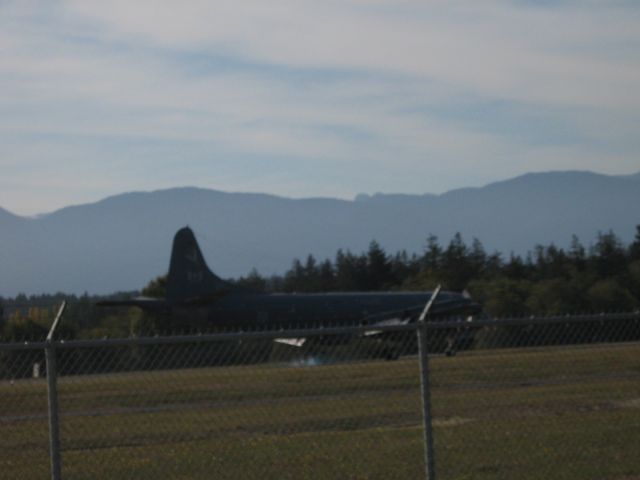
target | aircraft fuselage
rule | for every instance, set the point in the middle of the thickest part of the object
(310, 310)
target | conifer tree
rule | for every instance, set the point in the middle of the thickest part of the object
(379, 270)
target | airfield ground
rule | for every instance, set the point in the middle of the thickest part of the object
(561, 412)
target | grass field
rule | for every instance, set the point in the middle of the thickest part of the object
(563, 412)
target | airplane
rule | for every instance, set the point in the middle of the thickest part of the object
(196, 294)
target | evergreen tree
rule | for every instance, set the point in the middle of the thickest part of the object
(608, 255)
(493, 265)
(379, 269)
(311, 275)
(577, 254)
(557, 262)
(634, 279)
(351, 272)
(501, 296)
(515, 268)
(554, 296)
(403, 267)
(456, 265)
(326, 277)
(477, 258)
(608, 295)
(253, 281)
(294, 278)
(634, 248)
(432, 254)
(156, 288)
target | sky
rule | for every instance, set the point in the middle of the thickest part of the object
(310, 98)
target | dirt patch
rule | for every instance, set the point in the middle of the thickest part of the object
(451, 422)
(632, 403)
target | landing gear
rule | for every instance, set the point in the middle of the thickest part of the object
(392, 355)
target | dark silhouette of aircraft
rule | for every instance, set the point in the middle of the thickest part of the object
(195, 293)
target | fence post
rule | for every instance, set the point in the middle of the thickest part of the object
(425, 389)
(52, 398)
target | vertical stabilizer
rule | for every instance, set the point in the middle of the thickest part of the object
(189, 277)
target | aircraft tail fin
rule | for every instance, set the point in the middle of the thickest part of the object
(190, 279)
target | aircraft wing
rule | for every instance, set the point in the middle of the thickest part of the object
(387, 323)
(293, 342)
(405, 316)
(145, 303)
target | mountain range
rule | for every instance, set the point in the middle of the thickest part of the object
(123, 241)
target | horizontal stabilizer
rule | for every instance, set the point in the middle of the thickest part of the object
(146, 303)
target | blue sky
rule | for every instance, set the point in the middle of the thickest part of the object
(301, 98)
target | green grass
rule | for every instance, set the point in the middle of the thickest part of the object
(559, 412)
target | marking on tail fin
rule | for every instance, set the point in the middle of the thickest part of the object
(192, 255)
(195, 276)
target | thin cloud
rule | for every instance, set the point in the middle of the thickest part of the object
(342, 97)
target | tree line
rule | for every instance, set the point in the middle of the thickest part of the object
(548, 280)
(603, 277)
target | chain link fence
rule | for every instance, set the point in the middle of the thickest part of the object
(555, 397)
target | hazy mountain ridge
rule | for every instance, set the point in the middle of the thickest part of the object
(121, 242)
(7, 217)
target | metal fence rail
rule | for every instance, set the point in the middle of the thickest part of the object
(516, 398)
